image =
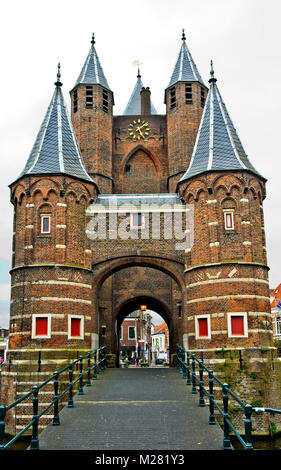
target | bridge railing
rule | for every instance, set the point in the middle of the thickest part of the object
(192, 369)
(98, 358)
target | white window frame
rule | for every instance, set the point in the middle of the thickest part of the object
(45, 216)
(226, 213)
(208, 317)
(81, 317)
(136, 227)
(33, 327)
(245, 324)
(132, 339)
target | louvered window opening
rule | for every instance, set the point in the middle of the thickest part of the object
(105, 101)
(173, 98)
(188, 93)
(75, 101)
(89, 96)
(202, 97)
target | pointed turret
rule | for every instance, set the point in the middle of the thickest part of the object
(92, 107)
(134, 104)
(185, 98)
(185, 69)
(217, 146)
(92, 72)
(55, 150)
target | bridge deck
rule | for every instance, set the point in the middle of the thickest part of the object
(134, 409)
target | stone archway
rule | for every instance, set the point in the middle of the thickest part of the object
(109, 313)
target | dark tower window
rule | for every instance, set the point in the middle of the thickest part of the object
(172, 97)
(202, 97)
(105, 101)
(188, 93)
(89, 96)
(75, 101)
(127, 169)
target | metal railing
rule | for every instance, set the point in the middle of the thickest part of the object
(92, 371)
(186, 365)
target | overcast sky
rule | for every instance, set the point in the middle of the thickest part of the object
(242, 37)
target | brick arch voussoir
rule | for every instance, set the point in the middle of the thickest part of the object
(174, 269)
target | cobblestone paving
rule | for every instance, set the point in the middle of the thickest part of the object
(134, 409)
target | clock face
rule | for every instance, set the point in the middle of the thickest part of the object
(139, 129)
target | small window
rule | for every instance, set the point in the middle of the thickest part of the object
(229, 220)
(121, 333)
(202, 327)
(89, 96)
(105, 101)
(127, 169)
(41, 326)
(45, 224)
(132, 332)
(172, 97)
(137, 221)
(188, 93)
(75, 101)
(76, 327)
(237, 324)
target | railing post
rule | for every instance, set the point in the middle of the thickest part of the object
(81, 392)
(226, 439)
(56, 418)
(2, 426)
(188, 381)
(34, 443)
(201, 383)
(95, 365)
(70, 393)
(248, 426)
(99, 360)
(180, 360)
(177, 351)
(104, 359)
(194, 391)
(89, 370)
(211, 393)
(183, 365)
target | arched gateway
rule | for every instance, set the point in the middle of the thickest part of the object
(111, 210)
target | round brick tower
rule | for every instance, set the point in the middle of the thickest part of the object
(228, 323)
(92, 118)
(185, 98)
(51, 277)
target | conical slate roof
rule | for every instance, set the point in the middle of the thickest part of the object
(55, 150)
(92, 72)
(185, 69)
(134, 104)
(217, 145)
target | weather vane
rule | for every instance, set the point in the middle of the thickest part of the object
(138, 63)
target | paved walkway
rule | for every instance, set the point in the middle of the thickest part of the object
(134, 409)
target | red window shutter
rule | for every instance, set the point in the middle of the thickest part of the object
(237, 325)
(75, 326)
(41, 326)
(203, 326)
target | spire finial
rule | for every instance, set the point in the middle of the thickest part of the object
(183, 35)
(138, 63)
(58, 82)
(93, 39)
(212, 73)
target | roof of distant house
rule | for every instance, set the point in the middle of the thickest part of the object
(276, 294)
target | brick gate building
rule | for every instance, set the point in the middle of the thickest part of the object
(111, 212)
